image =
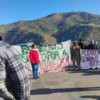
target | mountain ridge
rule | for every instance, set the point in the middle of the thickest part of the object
(53, 28)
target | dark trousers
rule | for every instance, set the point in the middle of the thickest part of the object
(35, 70)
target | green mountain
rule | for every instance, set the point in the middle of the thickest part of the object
(54, 28)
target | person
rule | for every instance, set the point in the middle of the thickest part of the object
(91, 45)
(0, 38)
(14, 82)
(75, 54)
(71, 45)
(96, 45)
(35, 60)
(81, 44)
(40, 43)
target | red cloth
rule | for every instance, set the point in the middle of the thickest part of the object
(34, 56)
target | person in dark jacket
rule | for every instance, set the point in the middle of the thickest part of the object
(96, 45)
(91, 45)
(0, 38)
(81, 44)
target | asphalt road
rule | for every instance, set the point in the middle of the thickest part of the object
(69, 85)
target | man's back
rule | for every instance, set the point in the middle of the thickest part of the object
(14, 83)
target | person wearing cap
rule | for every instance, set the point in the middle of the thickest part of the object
(75, 54)
(91, 45)
(81, 44)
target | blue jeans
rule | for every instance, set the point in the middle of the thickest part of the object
(35, 70)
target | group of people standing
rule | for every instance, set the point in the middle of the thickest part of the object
(75, 50)
(14, 82)
(75, 53)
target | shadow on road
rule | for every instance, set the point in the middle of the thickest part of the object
(31, 78)
(50, 91)
(92, 97)
(87, 72)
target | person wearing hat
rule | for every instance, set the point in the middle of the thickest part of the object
(81, 44)
(75, 54)
(91, 45)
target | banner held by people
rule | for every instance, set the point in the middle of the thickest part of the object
(90, 59)
(53, 57)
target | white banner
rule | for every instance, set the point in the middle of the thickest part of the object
(90, 59)
(54, 57)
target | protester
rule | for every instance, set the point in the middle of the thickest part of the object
(14, 82)
(0, 38)
(81, 44)
(75, 54)
(34, 58)
(91, 45)
(71, 45)
(40, 43)
(96, 45)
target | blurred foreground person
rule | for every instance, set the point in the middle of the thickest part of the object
(75, 54)
(14, 82)
(34, 58)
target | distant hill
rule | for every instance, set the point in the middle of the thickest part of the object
(53, 28)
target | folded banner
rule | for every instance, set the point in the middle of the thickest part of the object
(53, 57)
(90, 59)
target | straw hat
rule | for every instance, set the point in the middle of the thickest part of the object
(75, 42)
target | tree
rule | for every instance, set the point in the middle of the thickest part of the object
(62, 38)
(80, 35)
(75, 37)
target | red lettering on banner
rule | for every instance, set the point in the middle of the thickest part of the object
(86, 59)
(61, 61)
(55, 64)
(93, 63)
(49, 65)
(45, 64)
(46, 71)
(41, 66)
(92, 52)
(98, 52)
(84, 52)
(67, 59)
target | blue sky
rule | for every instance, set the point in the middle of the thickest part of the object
(15, 10)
